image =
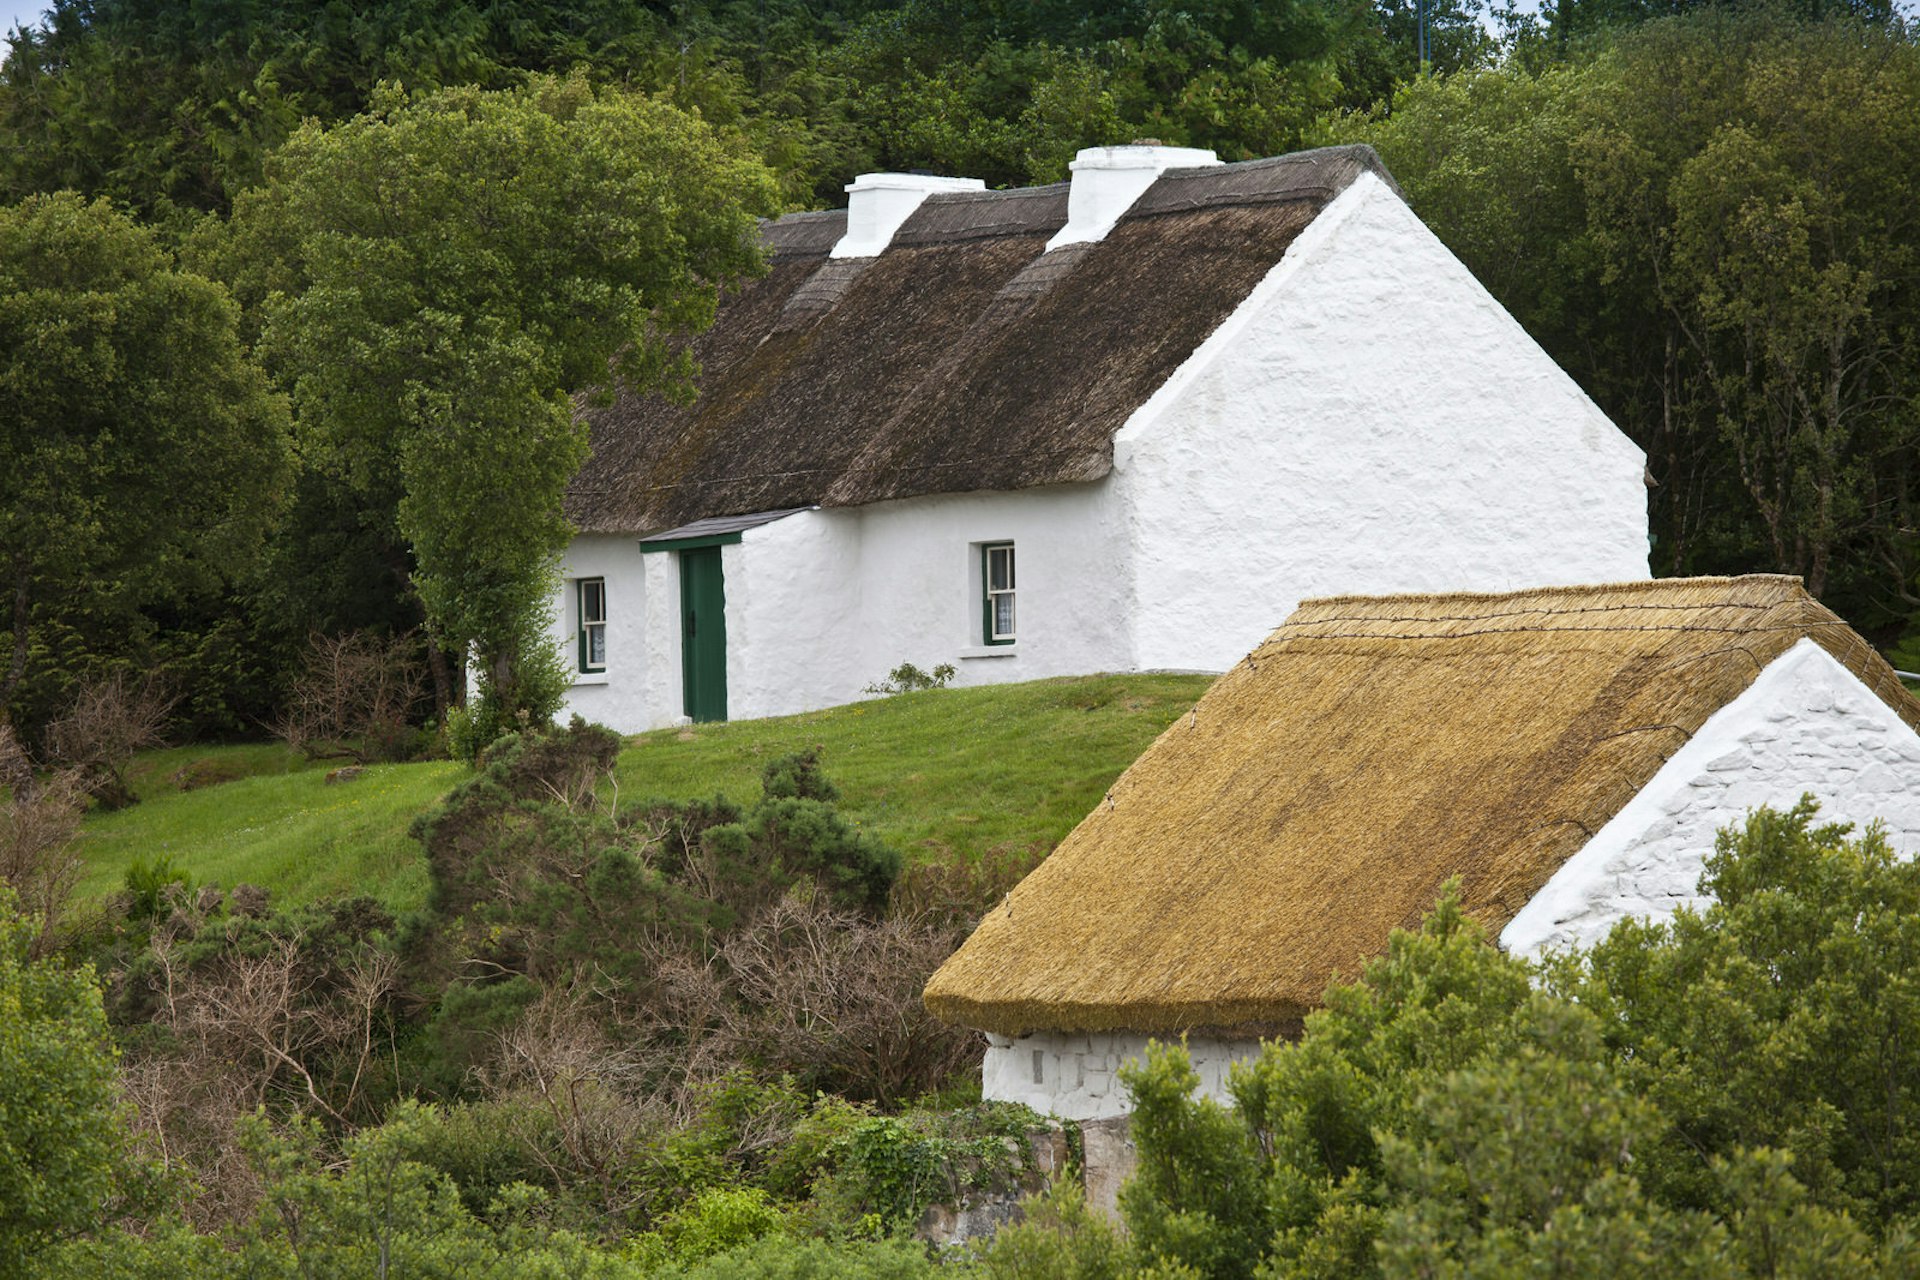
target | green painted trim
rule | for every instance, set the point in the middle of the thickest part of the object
(703, 648)
(986, 595)
(580, 620)
(688, 544)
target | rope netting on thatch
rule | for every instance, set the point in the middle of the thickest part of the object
(1322, 791)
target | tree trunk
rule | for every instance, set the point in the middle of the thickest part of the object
(446, 694)
(17, 664)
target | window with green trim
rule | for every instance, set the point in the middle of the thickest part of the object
(591, 608)
(996, 590)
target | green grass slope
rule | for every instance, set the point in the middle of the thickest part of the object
(936, 774)
(280, 826)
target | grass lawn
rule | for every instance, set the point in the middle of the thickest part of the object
(280, 826)
(947, 771)
(936, 774)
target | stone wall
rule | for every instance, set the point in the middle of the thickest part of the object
(1075, 1075)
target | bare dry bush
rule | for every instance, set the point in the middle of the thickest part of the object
(108, 721)
(16, 765)
(834, 997)
(39, 818)
(272, 1024)
(593, 1096)
(354, 698)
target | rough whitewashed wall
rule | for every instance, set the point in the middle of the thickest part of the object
(1806, 724)
(621, 695)
(1369, 420)
(790, 596)
(823, 603)
(1074, 1075)
(919, 561)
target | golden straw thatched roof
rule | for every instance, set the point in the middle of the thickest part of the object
(1324, 789)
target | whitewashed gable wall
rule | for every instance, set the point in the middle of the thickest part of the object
(1806, 724)
(1370, 420)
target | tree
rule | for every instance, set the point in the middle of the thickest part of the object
(61, 1134)
(144, 451)
(437, 278)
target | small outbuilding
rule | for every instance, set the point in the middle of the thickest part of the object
(1569, 753)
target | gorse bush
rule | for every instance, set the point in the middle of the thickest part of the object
(61, 1139)
(1730, 1093)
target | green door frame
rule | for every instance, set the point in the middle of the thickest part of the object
(703, 633)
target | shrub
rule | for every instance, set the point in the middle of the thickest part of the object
(61, 1137)
(719, 1219)
(833, 998)
(109, 720)
(888, 1169)
(783, 1258)
(152, 886)
(907, 678)
(1729, 1092)
(356, 697)
(39, 818)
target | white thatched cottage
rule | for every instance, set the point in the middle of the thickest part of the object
(1568, 753)
(1115, 424)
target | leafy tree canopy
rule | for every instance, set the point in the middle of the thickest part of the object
(437, 278)
(144, 451)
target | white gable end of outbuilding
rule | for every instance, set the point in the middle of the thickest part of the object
(1805, 725)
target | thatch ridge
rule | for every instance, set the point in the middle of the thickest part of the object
(962, 359)
(950, 216)
(803, 235)
(1322, 791)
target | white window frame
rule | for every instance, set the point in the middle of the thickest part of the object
(990, 596)
(588, 625)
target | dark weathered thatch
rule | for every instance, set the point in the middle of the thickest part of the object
(1325, 789)
(960, 359)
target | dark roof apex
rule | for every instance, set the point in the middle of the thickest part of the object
(1305, 175)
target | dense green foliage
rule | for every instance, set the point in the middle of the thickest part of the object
(61, 1136)
(435, 279)
(590, 1034)
(165, 106)
(1728, 1094)
(144, 452)
(1703, 210)
(690, 1021)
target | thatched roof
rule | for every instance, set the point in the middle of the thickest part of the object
(960, 359)
(1324, 789)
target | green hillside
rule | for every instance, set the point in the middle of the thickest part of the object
(946, 772)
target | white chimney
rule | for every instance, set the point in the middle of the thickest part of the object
(1107, 180)
(877, 203)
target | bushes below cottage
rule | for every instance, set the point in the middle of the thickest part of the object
(1729, 1094)
(665, 1020)
(650, 1039)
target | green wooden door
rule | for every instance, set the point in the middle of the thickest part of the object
(703, 634)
